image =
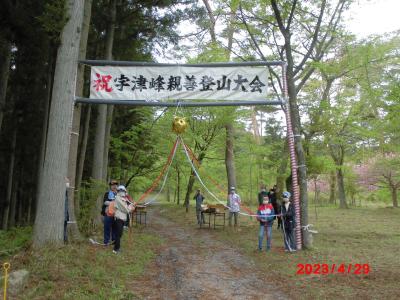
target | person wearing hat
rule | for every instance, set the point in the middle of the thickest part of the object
(107, 220)
(234, 202)
(122, 208)
(289, 222)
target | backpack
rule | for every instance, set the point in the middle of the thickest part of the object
(110, 210)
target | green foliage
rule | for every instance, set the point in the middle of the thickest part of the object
(317, 165)
(84, 271)
(54, 18)
(89, 193)
(133, 145)
(14, 239)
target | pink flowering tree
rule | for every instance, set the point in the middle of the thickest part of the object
(386, 171)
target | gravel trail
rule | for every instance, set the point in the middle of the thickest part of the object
(194, 265)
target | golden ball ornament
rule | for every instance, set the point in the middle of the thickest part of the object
(179, 125)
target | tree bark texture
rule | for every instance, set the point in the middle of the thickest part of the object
(110, 108)
(82, 152)
(103, 125)
(49, 86)
(14, 200)
(341, 191)
(393, 191)
(191, 181)
(281, 178)
(10, 176)
(49, 223)
(230, 157)
(75, 132)
(332, 187)
(107, 137)
(5, 59)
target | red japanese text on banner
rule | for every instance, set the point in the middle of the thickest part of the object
(159, 83)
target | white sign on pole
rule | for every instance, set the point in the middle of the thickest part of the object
(152, 83)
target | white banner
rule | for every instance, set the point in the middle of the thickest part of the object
(179, 82)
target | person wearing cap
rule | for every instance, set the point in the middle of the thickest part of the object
(234, 202)
(107, 220)
(122, 208)
(289, 222)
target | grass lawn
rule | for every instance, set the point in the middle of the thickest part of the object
(86, 271)
(354, 236)
(359, 235)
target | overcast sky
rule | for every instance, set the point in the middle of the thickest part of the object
(373, 17)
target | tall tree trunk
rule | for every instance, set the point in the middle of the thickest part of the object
(189, 190)
(178, 174)
(74, 137)
(168, 194)
(281, 178)
(5, 59)
(14, 200)
(82, 152)
(110, 108)
(10, 177)
(254, 124)
(100, 151)
(296, 123)
(29, 212)
(191, 181)
(212, 20)
(49, 86)
(341, 190)
(21, 207)
(393, 191)
(49, 223)
(230, 157)
(332, 187)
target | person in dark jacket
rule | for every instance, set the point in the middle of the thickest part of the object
(198, 197)
(263, 192)
(107, 220)
(265, 215)
(273, 200)
(289, 222)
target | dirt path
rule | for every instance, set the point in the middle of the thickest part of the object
(193, 265)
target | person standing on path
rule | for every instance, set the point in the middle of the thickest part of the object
(234, 202)
(265, 214)
(107, 220)
(199, 200)
(289, 222)
(122, 209)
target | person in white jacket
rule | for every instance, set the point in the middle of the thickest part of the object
(233, 203)
(122, 208)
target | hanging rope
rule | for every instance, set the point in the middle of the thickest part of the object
(155, 182)
(165, 177)
(249, 214)
(221, 188)
(198, 176)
